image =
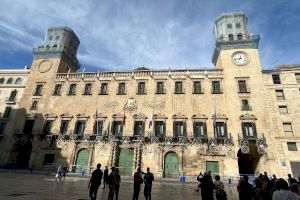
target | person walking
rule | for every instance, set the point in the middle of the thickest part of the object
(118, 181)
(219, 188)
(137, 181)
(95, 182)
(59, 173)
(64, 171)
(148, 179)
(105, 177)
(111, 181)
(245, 189)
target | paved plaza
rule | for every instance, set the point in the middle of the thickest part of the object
(25, 186)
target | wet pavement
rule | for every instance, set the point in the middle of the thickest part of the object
(23, 186)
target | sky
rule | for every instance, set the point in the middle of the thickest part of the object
(125, 34)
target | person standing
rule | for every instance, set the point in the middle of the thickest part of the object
(207, 187)
(118, 181)
(137, 181)
(111, 181)
(245, 189)
(105, 177)
(95, 182)
(284, 192)
(219, 188)
(59, 173)
(148, 179)
(64, 171)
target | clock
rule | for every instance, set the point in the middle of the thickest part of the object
(44, 66)
(240, 58)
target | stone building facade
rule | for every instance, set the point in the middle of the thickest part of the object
(177, 122)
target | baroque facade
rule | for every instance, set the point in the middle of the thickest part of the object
(232, 119)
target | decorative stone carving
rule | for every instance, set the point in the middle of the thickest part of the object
(130, 105)
(220, 116)
(66, 115)
(248, 116)
(199, 116)
(50, 116)
(179, 116)
(261, 146)
(155, 104)
(244, 143)
(82, 115)
(111, 104)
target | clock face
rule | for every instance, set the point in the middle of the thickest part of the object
(45, 66)
(240, 58)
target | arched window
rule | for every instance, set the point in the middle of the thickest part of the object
(18, 81)
(230, 37)
(239, 36)
(10, 80)
(2, 80)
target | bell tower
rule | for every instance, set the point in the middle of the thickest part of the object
(58, 51)
(231, 32)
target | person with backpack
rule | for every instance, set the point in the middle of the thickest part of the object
(219, 189)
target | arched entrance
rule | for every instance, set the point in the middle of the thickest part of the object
(22, 152)
(125, 164)
(248, 162)
(171, 165)
(82, 160)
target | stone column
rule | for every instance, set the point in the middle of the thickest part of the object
(161, 170)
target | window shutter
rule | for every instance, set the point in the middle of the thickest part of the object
(204, 129)
(164, 128)
(121, 129)
(143, 128)
(225, 129)
(174, 129)
(184, 129)
(195, 129)
(254, 129)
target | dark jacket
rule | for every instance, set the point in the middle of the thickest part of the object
(96, 177)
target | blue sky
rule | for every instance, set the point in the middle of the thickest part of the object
(150, 33)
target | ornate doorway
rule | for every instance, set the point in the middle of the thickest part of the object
(82, 160)
(125, 161)
(248, 161)
(171, 169)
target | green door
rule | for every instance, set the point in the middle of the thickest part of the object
(212, 166)
(82, 160)
(126, 161)
(171, 165)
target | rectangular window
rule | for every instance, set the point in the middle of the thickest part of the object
(2, 127)
(28, 126)
(283, 110)
(64, 127)
(104, 88)
(216, 87)
(179, 129)
(87, 89)
(292, 146)
(159, 128)
(38, 90)
(229, 26)
(57, 89)
(245, 104)
(297, 76)
(276, 79)
(139, 127)
(160, 88)
(117, 128)
(197, 87)
(238, 25)
(80, 127)
(98, 127)
(47, 127)
(7, 112)
(200, 129)
(279, 95)
(141, 88)
(48, 159)
(287, 128)
(178, 87)
(249, 130)
(221, 129)
(12, 96)
(242, 86)
(121, 89)
(34, 105)
(72, 89)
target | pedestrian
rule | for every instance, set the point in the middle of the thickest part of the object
(245, 189)
(118, 181)
(291, 180)
(199, 179)
(64, 171)
(284, 193)
(148, 179)
(95, 182)
(105, 177)
(207, 187)
(58, 173)
(111, 181)
(219, 188)
(137, 181)
(258, 190)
